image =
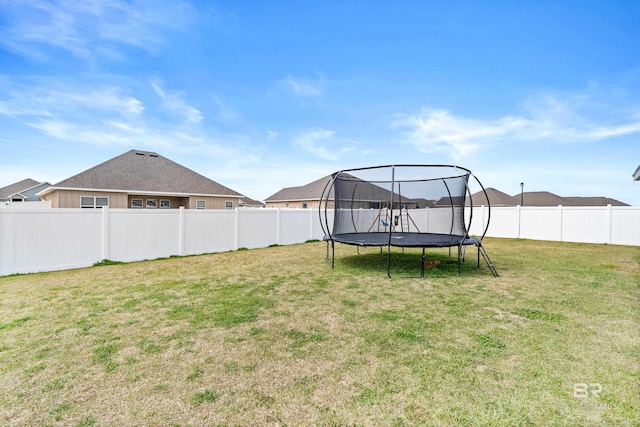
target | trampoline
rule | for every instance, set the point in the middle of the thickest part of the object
(406, 206)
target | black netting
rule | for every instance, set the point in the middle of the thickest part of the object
(407, 201)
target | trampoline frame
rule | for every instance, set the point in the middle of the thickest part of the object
(393, 238)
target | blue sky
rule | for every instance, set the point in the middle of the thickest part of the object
(263, 95)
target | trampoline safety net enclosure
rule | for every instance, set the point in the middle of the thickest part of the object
(418, 206)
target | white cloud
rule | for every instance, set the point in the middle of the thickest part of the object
(88, 28)
(106, 115)
(173, 101)
(60, 100)
(225, 113)
(322, 143)
(433, 130)
(305, 88)
(572, 119)
(271, 135)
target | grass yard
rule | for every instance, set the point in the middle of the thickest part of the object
(276, 337)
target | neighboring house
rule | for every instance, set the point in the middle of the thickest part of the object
(591, 201)
(539, 198)
(23, 191)
(636, 174)
(140, 180)
(496, 197)
(306, 196)
(246, 202)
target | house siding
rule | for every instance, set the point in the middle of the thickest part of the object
(298, 204)
(174, 202)
(213, 202)
(71, 199)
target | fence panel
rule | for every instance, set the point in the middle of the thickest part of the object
(33, 240)
(207, 231)
(541, 223)
(295, 225)
(137, 234)
(584, 225)
(504, 222)
(625, 225)
(257, 228)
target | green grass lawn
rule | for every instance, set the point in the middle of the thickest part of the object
(276, 337)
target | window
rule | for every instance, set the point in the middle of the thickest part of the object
(165, 204)
(228, 205)
(136, 203)
(201, 204)
(152, 203)
(93, 202)
(304, 206)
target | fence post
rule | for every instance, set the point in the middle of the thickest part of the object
(518, 209)
(236, 234)
(181, 231)
(607, 224)
(278, 226)
(105, 233)
(560, 222)
(7, 242)
(311, 216)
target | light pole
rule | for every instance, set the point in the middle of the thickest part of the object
(522, 194)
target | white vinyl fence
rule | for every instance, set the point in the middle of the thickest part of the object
(617, 225)
(33, 240)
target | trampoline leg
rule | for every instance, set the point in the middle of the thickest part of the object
(459, 256)
(326, 257)
(422, 265)
(389, 261)
(333, 254)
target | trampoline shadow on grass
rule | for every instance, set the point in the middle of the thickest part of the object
(407, 263)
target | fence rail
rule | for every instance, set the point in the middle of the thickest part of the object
(34, 240)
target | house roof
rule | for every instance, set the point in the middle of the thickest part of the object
(311, 191)
(496, 198)
(139, 171)
(636, 174)
(246, 201)
(592, 201)
(314, 190)
(17, 188)
(540, 198)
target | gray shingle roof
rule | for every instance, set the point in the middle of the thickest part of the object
(246, 201)
(496, 198)
(592, 201)
(314, 190)
(145, 171)
(311, 191)
(540, 198)
(18, 187)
